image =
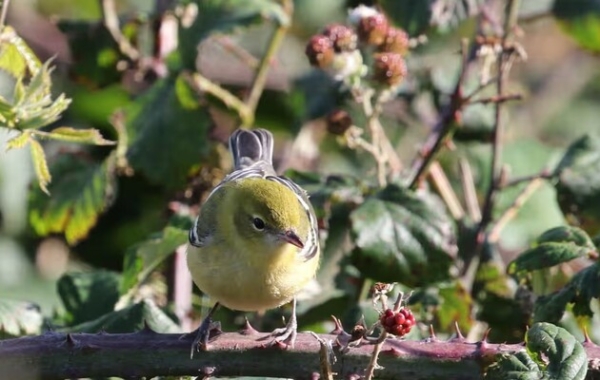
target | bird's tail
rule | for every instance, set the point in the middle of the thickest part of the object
(249, 147)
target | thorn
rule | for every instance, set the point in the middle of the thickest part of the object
(248, 329)
(70, 340)
(353, 376)
(339, 329)
(432, 336)
(459, 336)
(208, 371)
(147, 329)
(486, 335)
(102, 332)
(315, 376)
(392, 352)
(586, 336)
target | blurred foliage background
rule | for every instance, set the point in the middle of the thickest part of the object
(107, 233)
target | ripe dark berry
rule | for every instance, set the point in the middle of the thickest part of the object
(338, 122)
(395, 41)
(343, 38)
(399, 323)
(372, 29)
(319, 51)
(389, 68)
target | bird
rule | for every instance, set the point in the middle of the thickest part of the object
(255, 243)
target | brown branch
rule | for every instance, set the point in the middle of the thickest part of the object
(496, 99)
(149, 354)
(545, 174)
(3, 13)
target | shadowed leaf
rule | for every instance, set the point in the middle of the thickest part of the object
(514, 367)
(40, 165)
(581, 20)
(82, 136)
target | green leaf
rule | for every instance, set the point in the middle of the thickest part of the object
(581, 20)
(403, 236)
(82, 136)
(514, 367)
(580, 291)
(40, 165)
(19, 141)
(566, 357)
(167, 138)
(19, 318)
(130, 319)
(555, 246)
(221, 16)
(88, 295)
(418, 16)
(578, 186)
(143, 258)
(16, 58)
(81, 192)
(456, 306)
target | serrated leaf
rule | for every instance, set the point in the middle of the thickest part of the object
(555, 246)
(131, 319)
(581, 20)
(223, 16)
(580, 291)
(19, 141)
(403, 236)
(167, 139)
(16, 57)
(565, 357)
(418, 16)
(40, 165)
(81, 192)
(578, 185)
(88, 295)
(19, 318)
(141, 259)
(514, 367)
(83, 136)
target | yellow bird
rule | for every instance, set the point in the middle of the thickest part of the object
(255, 243)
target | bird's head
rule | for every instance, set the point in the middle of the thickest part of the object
(268, 213)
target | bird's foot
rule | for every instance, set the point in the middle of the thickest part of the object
(208, 331)
(285, 337)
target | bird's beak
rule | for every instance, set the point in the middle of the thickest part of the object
(291, 237)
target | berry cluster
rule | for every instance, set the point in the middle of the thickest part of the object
(397, 323)
(336, 48)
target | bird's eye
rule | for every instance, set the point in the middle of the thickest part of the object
(258, 223)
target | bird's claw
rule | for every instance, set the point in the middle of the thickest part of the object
(285, 337)
(208, 331)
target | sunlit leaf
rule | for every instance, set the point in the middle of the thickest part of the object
(16, 57)
(418, 16)
(40, 165)
(19, 318)
(581, 20)
(166, 137)
(82, 136)
(81, 192)
(403, 236)
(144, 257)
(555, 246)
(19, 141)
(456, 306)
(578, 186)
(565, 357)
(514, 367)
(130, 319)
(88, 295)
(221, 16)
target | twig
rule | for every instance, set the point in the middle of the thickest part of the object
(373, 365)
(111, 21)
(513, 209)
(326, 357)
(260, 77)
(3, 13)
(442, 184)
(496, 99)
(182, 288)
(243, 55)
(545, 174)
(444, 127)
(202, 84)
(470, 192)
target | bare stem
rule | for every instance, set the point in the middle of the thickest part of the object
(442, 184)
(111, 21)
(497, 99)
(373, 362)
(3, 13)
(468, 185)
(260, 77)
(545, 174)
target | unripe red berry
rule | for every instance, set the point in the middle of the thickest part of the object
(395, 41)
(319, 51)
(372, 29)
(343, 38)
(389, 68)
(399, 323)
